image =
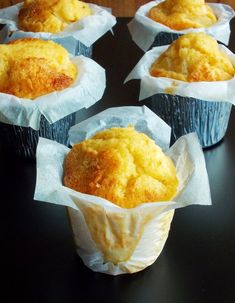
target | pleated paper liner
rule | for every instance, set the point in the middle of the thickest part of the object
(116, 248)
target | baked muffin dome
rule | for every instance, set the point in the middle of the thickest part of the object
(183, 14)
(121, 165)
(51, 16)
(193, 57)
(32, 67)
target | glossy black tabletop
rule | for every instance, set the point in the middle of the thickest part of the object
(38, 259)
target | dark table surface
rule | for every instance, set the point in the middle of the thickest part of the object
(38, 259)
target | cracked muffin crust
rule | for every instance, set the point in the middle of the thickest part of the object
(30, 68)
(51, 16)
(193, 57)
(123, 166)
(183, 14)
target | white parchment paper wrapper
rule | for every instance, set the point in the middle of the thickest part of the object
(87, 89)
(142, 118)
(144, 30)
(86, 30)
(208, 91)
(104, 231)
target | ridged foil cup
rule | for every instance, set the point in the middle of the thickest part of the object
(164, 38)
(185, 115)
(22, 141)
(83, 50)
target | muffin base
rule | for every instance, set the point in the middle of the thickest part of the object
(185, 115)
(22, 141)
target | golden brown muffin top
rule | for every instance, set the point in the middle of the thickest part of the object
(51, 16)
(123, 166)
(183, 14)
(6, 3)
(193, 57)
(32, 67)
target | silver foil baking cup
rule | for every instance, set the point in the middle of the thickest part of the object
(185, 115)
(164, 38)
(22, 141)
(74, 47)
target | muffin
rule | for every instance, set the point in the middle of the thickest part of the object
(113, 165)
(40, 92)
(119, 187)
(183, 14)
(51, 16)
(30, 68)
(192, 66)
(42, 16)
(194, 57)
(74, 24)
(161, 22)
